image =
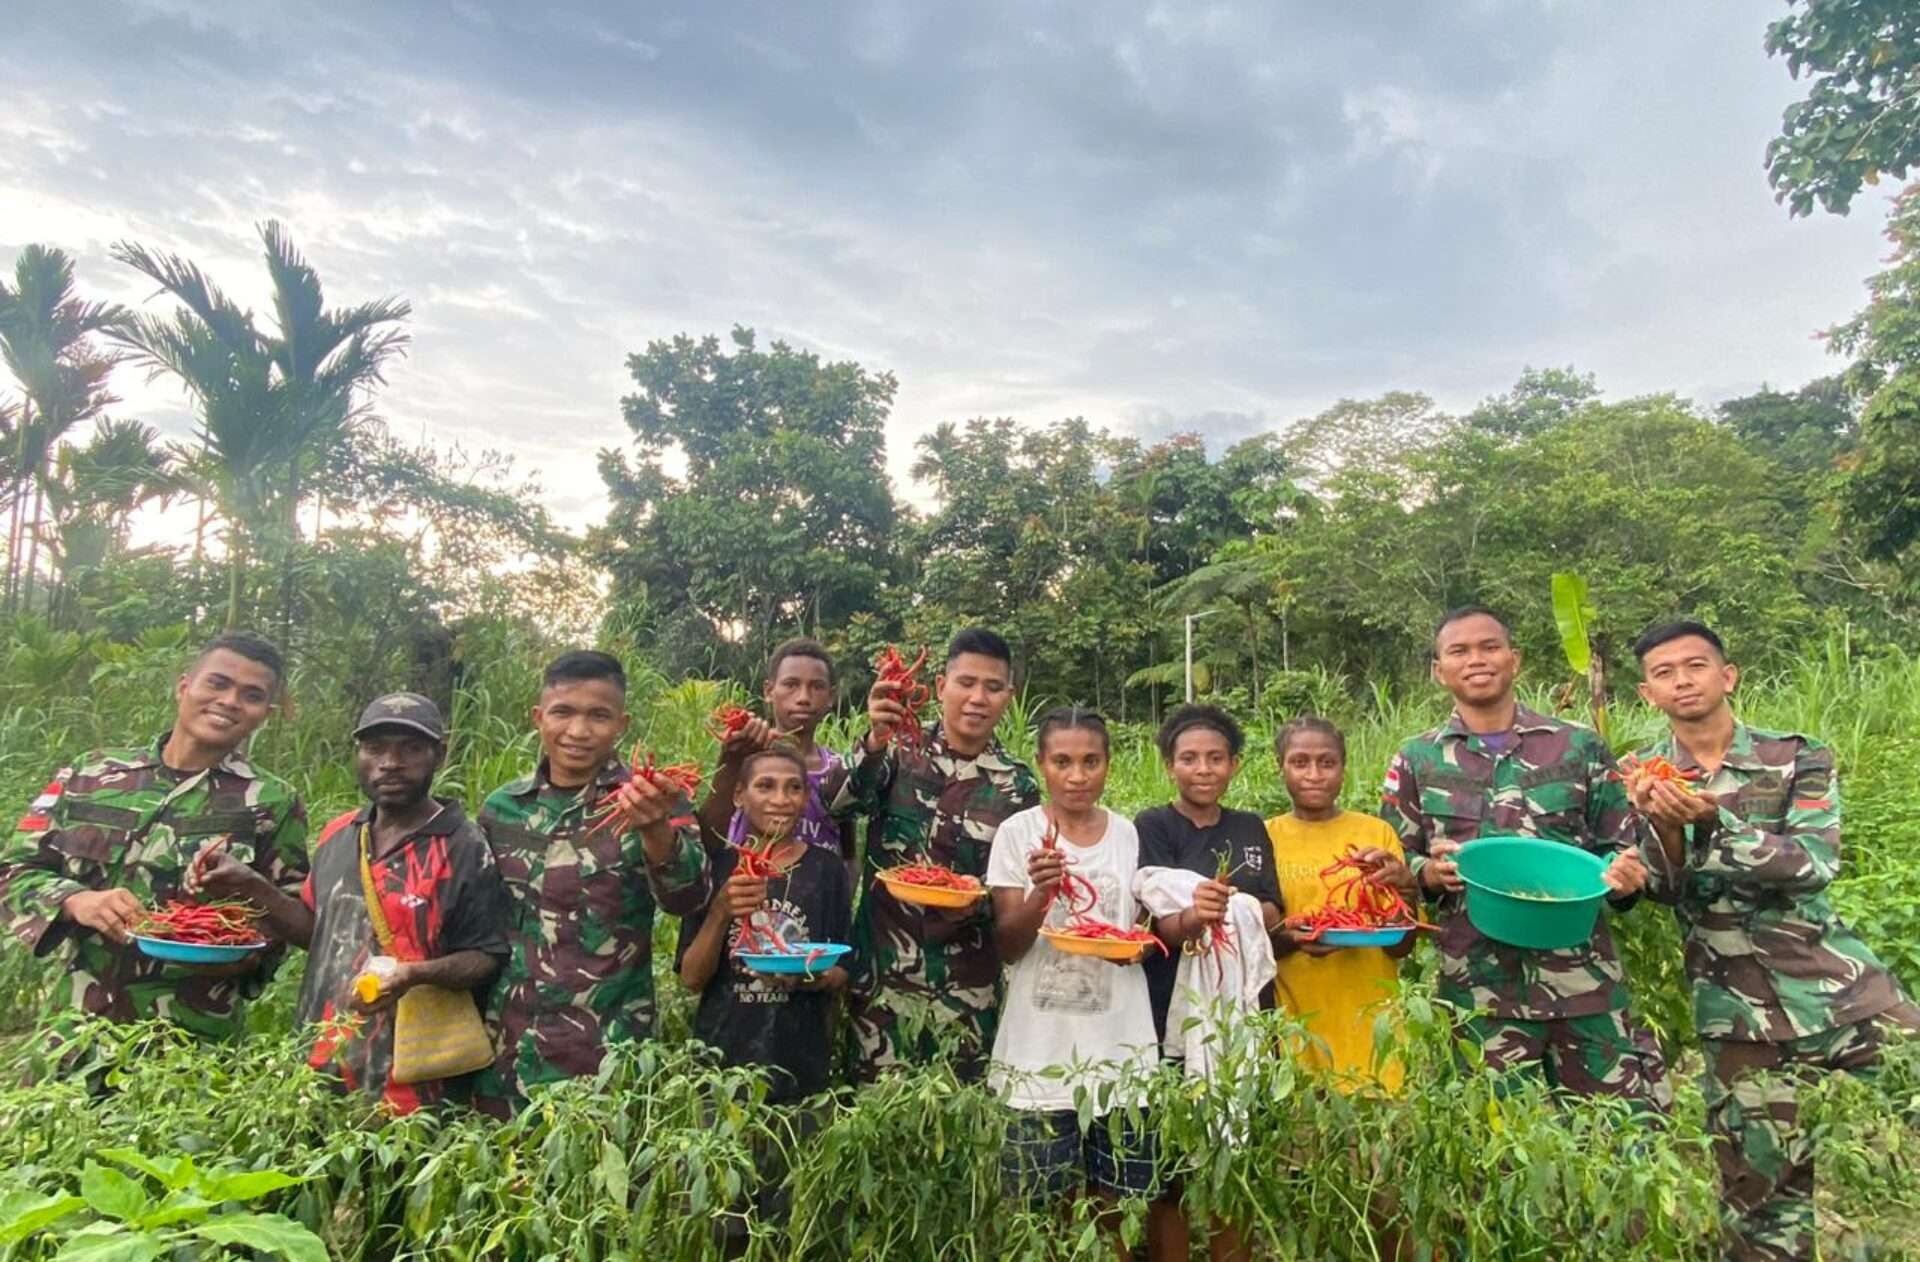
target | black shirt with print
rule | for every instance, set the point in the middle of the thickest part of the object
(1169, 839)
(753, 1020)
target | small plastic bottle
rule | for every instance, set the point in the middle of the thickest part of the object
(379, 971)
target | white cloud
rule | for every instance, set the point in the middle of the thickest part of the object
(1137, 213)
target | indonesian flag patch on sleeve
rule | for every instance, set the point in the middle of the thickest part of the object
(39, 816)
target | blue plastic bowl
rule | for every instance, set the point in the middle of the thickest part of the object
(1364, 937)
(796, 961)
(194, 953)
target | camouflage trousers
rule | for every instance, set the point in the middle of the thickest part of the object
(903, 1026)
(1753, 1110)
(1606, 1054)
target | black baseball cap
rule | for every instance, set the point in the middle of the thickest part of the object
(409, 710)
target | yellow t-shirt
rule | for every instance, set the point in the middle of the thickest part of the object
(1338, 996)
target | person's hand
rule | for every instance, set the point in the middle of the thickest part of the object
(392, 986)
(1210, 901)
(1291, 939)
(884, 713)
(1388, 869)
(1626, 874)
(219, 874)
(1046, 868)
(110, 913)
(1668, 803)
(1441, 872)
(639, 805)
(745, 894)
(755, 736)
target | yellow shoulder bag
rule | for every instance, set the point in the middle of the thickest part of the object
(437, 1032)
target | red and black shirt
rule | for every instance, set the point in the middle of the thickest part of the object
(441, 893)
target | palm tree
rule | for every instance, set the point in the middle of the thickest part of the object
(46, 334)
(271, 404)
(94, 491)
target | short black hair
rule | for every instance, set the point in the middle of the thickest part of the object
(778, 749)
(1187, 717)
(255, 648)
(1464, 612)
(1071, 718)
(579, 665)
(1661, 633)
(1308, 723)
(983, 641)
(799, 646)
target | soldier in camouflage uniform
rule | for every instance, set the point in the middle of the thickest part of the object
(927, 979)
(1496, 767)
(117, 832)
(581, 973)
(1782, 990)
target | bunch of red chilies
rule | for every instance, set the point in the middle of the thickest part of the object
(757, 934)
(933, 876)
(1081, 898)
(910, 692)
(1355, 901)
(681, 779)
(227, 923)
(1633, 772)
(730, 720)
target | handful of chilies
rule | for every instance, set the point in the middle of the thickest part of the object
(1217, 942)
(758, 936)
(909, 690)
(1081, 898)
(728, 721)
(1355, 900)
(673, 779)
(1636, 774)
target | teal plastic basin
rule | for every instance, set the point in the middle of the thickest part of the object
(1528, 892)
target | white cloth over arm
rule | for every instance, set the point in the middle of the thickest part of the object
(1214, 988)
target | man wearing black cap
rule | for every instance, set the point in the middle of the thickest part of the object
(439, 913)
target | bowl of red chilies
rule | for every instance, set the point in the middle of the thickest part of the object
(200, 933)
(1358, 912)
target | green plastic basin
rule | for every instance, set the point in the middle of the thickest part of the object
(1529, 892)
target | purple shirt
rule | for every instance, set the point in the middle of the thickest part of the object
(815, 826)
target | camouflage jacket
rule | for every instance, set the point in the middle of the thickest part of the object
(1768, 959)
(919, 969)
(581, 973)
(120, 818)
(1552, 781)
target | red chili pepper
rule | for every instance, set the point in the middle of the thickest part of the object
(1632, 770)
(1087, 927)
(679, 779)
(1076, 889)
(1355, 902)
(229, 923)
(932, 876)
(730, 720)
(911, 693)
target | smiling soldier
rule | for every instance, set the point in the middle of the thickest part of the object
(928, 979)
(1497, 767)
(118, 832)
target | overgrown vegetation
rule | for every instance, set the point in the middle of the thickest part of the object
(645, 1159)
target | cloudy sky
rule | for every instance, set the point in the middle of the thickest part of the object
(1157, 216)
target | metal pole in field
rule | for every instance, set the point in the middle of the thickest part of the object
(1189, 659)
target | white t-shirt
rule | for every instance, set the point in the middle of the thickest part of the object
(1063, 1010)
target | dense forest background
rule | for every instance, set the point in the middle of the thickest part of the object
(749, 499)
